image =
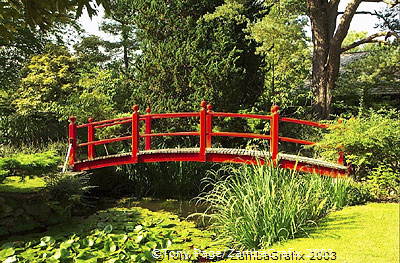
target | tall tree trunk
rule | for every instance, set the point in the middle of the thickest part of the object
(323, 23)
(327, 40)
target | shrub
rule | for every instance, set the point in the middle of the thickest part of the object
(256, 206)
(384, 182)
(68, 187)
(22, 165)
(371, 145)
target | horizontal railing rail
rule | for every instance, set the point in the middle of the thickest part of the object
(205, 132)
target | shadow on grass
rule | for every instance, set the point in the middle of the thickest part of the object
(332, 223)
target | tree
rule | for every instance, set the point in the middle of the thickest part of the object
(119, 22)
(284, 46)
(90, 52)
(327, 37)
(186, 57)
(41, 13)
(49, 81)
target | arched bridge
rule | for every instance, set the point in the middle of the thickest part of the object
(142, 152)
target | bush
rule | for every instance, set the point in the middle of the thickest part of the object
(68, 187)
(371, 145)
(39, 164)
(384, 182)
(256, 206)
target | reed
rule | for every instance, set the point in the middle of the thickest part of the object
(256, 206)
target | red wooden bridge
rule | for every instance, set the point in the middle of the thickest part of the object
(141, 129)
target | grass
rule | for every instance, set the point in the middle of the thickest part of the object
(15, 185)
(357, 234)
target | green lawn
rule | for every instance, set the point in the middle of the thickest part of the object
(364, 234)
(15, 185)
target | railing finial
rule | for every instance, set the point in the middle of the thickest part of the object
(72, 119)
(209, 107)
(148, 110)
(90, 119)
(274, 108)
(135, 108)
(203, 104)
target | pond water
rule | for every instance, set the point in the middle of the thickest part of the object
(185, 209)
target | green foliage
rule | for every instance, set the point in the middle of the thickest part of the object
(120, 23)
(68, 187)
(353, 36)
(185, 58)
(49, 82)
(22, 165)
(284, 47)
(90, 53)
(96, 97)
(114, 235)
(371, 145)
(40, 13)
(178, 180)
(370, 81)
(385, 182)
(257, 206)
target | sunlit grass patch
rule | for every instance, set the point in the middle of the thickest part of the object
(357, 234)
(16, 185)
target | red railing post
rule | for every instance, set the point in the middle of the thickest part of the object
(135, 133)
(274, 143)
(148, 130)
(72, 140)
(90, 138)
(203, 129)
(209, 126)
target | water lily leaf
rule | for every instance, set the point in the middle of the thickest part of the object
(47, 241)
(139, 239)
(67, 244)
(108, 229)
(11, 259)
(7, 252)
(138, 228)
(151, 244)
(123, 239)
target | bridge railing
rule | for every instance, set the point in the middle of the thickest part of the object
(205, 132)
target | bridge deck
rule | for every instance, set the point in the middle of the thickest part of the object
(191, 154)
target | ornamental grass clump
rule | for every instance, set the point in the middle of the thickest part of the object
(256, 206)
